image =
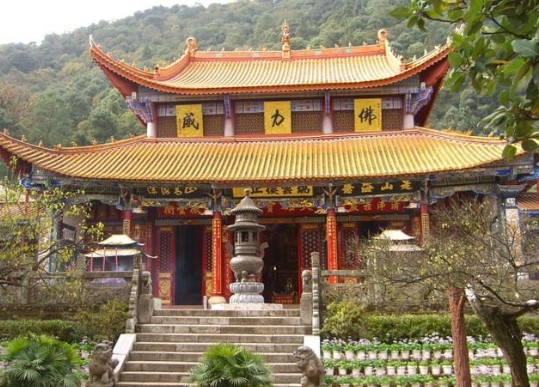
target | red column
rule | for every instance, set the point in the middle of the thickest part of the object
(217, 253)
(331, 239)
(424, 221)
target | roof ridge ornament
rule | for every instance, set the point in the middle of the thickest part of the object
(285, 39)
(191, 46)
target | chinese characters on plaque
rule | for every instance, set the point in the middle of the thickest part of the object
(277, 117)
(380, 188)
(172, 192)
(189, 121)
(271, 192)
(368, 114)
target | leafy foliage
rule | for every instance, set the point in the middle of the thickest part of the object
(39, 361)
(346, 320)
(496, 48)
(30, 238)
(105, 324)
(64, 330)
(226, 365)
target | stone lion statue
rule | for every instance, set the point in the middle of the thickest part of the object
(311, 367)
(102, 366)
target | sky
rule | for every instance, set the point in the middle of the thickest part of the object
(25, 21)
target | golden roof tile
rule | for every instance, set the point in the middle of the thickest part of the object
(273, 161)
(266, 71)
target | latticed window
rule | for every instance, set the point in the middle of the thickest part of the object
(250, 123)
(306, 122)
(165, 252)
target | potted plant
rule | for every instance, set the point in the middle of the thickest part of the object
(329, 366)
(349, 350)
(424, 367)
(391, 367)
(446, 381)
(226, 365)
(436, 368)
(447, 367)
(326, 349)
(371, 381)
(411, 368)
(532, 348)
(342, 367)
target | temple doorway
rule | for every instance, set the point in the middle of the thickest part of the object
(188, 265)
(281, 264)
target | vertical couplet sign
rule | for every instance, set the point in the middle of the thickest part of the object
(277, 117)
(368, 115)
(217, 259)
(331, 238)
(189, 121)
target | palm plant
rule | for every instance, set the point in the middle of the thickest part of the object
(226, 365)
(39, 361)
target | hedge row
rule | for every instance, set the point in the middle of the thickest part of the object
(347, 320)
(107, 323)
(68, 331)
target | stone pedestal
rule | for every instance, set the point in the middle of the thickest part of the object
(247, 306)
(246, 292)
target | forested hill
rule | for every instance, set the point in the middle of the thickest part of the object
(52, 92)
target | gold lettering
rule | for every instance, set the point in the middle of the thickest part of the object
(367, 187)
(387, 187)
(348, 189)
(406, 185)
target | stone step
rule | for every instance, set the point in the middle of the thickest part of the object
(219, 338)
(225, 329)
(227, 313)
(273, 357)
(183, 377)
(162, 384)
(167, 366)
(202, 347)
(217, 320)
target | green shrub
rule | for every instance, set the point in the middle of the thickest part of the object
(348, 320)
(64, 330)
(226, 365)
(105, 324)
(40, 361)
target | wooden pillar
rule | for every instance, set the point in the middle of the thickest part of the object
(331, 240)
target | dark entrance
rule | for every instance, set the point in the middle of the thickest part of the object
(281, 264)
(188, 289)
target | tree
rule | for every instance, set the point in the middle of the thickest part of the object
(226, 365)
(472, 250)
(30, 239)
(496, 47)
(40, 361)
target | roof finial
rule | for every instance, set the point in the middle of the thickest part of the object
(382, 36)
(191, 46)
(285, 39)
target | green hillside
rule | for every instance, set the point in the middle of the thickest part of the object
(53, 93)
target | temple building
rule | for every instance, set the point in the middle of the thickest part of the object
(331, 143)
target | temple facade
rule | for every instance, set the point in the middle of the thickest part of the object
(330, 142)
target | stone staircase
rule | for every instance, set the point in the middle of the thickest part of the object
(167, 348)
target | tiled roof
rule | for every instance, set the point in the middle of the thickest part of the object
(528, 201)
(277, 160)
(266, 71)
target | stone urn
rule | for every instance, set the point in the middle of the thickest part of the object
(247, 262)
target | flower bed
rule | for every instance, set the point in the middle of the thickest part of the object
(425, 362)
